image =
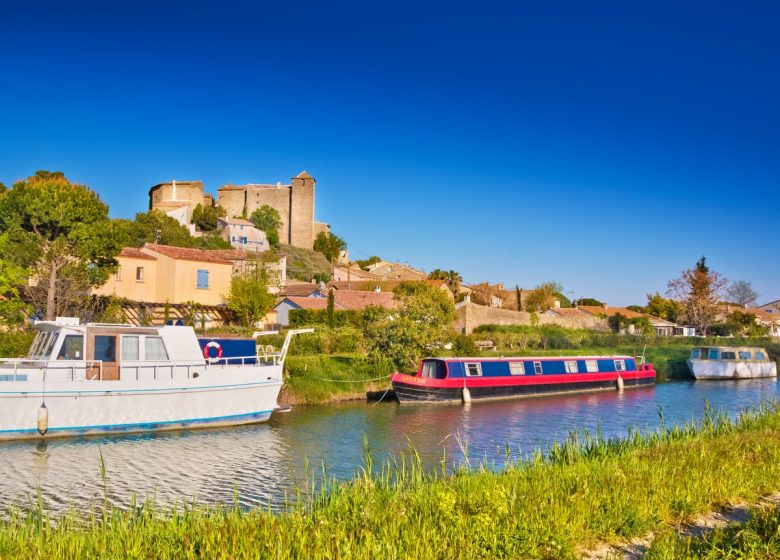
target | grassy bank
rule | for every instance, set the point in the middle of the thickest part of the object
(587, 490)
(321, 378)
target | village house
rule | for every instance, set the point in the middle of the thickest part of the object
(342, 299)
(766, 318)
(771, 307)
(242, 234)
(662, 327)
(388, 285)
(384, 270)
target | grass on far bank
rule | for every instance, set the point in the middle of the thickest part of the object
(586, 491)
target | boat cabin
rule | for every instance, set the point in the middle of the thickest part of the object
(731, 353)
(448, 368)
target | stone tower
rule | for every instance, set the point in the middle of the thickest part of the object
(301, 223)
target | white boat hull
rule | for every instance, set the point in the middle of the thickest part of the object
(218, 397)
(722, 369)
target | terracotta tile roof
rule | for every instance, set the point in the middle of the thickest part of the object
(761, 314)
(304, 175)
(189, 254)
(347, 299)
(240, 222)
(309, 302)
(229, 254)
(133, 253)
(300, 290)
(569, 312)
(384, 285)
(610, 311)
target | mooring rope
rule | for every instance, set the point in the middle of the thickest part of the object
(349, 380)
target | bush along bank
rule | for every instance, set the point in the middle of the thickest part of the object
(585, 491)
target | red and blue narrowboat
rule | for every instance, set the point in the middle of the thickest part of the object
(466, 379)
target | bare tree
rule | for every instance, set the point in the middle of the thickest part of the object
(741, 293)
(699, 290)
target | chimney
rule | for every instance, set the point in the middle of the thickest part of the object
(557, 304)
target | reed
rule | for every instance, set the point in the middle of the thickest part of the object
(588, 488)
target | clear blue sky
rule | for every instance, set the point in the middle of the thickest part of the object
(605, 145)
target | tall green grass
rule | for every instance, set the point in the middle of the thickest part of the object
(587, 489)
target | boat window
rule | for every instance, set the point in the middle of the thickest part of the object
(105, 348)
(591, 365)
(713, 355)
(745, 355)
(155, 349)
(72, 348)
(571, 366)
(538, 368)
(473, 369)
(728, 355)
(620, 365)
(517, 368)
(434, 369)
(760, 356)
(43, 344)
(695, 354)
(130, 348)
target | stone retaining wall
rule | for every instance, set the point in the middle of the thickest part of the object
(469, 316)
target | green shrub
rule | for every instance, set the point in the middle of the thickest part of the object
(16, 343)
(463, 345)
(314, 317)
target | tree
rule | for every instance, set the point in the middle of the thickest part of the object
(452, 278)
(519, 297)
(590, 301)
(154, 227)
(698, 290)
(59, 232)
(490, 295)
(365, 263)
(543, 297)
(331, 309)
(411, 330)
(249, 299)
(330, 245)
(741, 293)
(267, 219)
(13, 311)
(205, 217)
(659, 306)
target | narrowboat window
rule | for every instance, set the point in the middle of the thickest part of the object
(760, 356)
(473, 369)
(745, 355)
(713, 355)
(130, 348)
(591, 366)
(571, 366)
(155, 349)
(728, 356)
(695, 354)
(517, 368)
(105, 348)
(72, 347)
(538, 368)
(620, 365)
(433, 369)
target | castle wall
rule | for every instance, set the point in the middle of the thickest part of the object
(275, 197)
(232, 200)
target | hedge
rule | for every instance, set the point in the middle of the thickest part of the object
(313, 317)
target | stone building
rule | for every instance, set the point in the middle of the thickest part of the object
(294, 202)
(178, 194)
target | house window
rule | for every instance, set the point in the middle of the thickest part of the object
(517, 368)
(744, 355)
(620, 365)
(591, 366)
(139, 274)
(473, 370)
(118, 275)
(203, 278)
(243, 240)
(538, 368)
(571, 366)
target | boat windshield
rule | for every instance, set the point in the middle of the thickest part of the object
(434, 369)
(42, 345)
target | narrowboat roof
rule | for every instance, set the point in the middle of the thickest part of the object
(529, 358)
(730, 348)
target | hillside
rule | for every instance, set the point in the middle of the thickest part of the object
(304, 264)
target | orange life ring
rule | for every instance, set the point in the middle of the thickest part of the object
(212, 344)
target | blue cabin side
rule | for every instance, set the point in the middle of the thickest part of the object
(235, 348)
(512, 368)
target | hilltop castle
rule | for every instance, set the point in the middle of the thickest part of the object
(294, 202)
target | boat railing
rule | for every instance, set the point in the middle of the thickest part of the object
(18, 369)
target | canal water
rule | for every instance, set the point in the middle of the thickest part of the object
(262, 464)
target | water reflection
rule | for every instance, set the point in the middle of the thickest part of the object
(261, 464)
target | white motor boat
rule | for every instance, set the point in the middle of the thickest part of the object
(102, 378)
(731, 362)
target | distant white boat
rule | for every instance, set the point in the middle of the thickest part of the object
(728, 362)
(104, 378)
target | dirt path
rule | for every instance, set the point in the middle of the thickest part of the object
(699, 527)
